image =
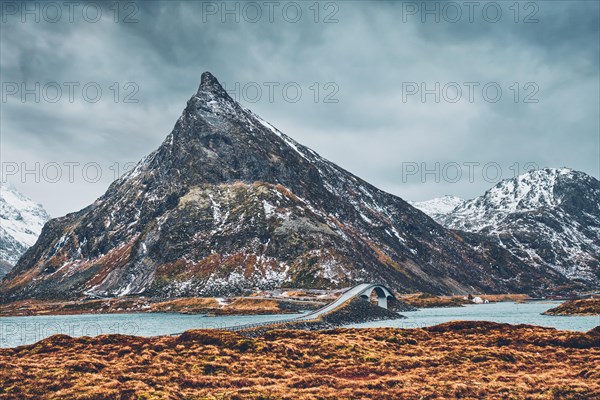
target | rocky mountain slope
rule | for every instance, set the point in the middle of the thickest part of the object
(228, 202)
(547, 218)
(21, 221)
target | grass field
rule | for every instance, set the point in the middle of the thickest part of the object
(453, 360)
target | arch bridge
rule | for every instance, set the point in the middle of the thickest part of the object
(364, 290)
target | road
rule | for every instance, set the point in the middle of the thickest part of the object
(347, 295)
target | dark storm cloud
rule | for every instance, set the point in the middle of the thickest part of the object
(368, 54)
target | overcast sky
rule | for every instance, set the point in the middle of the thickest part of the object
(361, 66)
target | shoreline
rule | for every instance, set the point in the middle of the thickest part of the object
(17, 331)
(577, 308)
(222, 306)
(236, 306)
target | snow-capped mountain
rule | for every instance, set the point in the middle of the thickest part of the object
(228, 202)
(21, 221)
(438, 207)
(548, 217)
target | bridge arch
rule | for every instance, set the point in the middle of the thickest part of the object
(383, 294)
(362, 290)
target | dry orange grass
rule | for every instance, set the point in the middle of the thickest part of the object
(425, 300)
(577, 307)
(258, 306)
(235, 306)
(70, 307)
(187, 305)
(191, 305)
(504, 297)
(455, 360)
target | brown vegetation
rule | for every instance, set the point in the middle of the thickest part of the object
(296, 301)
(577, 307)
(453, 360)
(426, 300)
(192, 305)
(253, 306)
(493, 298)
(70, 307)
(234, 306)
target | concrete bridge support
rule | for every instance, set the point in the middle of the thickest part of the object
(383, 294)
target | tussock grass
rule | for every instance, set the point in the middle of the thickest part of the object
(453, 360)
(577, 307)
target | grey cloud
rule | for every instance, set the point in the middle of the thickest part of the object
(369, 53)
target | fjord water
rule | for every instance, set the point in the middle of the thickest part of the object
(17, 331)
(505, 312)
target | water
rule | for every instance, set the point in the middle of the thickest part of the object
(17, 331)
(508, 312)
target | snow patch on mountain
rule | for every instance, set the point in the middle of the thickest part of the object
(21, 222)
(531, 191)
(438, 207)
(546, 218)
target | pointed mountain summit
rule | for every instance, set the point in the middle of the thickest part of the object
(229, 203)
(210, 84)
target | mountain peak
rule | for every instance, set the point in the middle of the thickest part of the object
(229, 203)
(548, 217)
(210, 84)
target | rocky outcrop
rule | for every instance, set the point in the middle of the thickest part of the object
(399, 306)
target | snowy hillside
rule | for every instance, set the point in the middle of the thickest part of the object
(21, 221)
(438, 207)
(548, 217)
(528, 192)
